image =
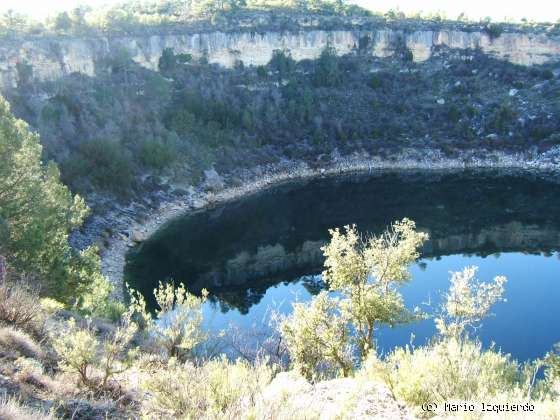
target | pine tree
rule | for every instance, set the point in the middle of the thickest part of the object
(37, 212)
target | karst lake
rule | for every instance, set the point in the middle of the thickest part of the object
(262, 253)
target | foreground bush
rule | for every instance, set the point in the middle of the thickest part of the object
(18, 305)
(448, 370)
(177, 329)
(455, 367)
(322, 335)
(317, 338)
(95, 362)
(215, 390)
(11, 409)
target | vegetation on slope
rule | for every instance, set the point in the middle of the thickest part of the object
(60, 364)
(107, 132)
(165, 366)
(37, 214)
(135, 16)
(64, 358)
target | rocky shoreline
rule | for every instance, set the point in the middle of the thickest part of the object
(128, 229)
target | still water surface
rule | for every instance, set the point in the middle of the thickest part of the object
(262, 252)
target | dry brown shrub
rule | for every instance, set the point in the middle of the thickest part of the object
(10, 409)
(19, 302)
(13, 340)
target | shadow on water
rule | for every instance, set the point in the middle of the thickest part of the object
(240, 249)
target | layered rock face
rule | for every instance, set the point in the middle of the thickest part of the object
(51, 58)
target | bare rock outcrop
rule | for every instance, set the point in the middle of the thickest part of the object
(289, 396)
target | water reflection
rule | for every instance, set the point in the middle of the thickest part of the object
(241, 249)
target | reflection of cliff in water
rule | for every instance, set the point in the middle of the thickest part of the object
(240, 249)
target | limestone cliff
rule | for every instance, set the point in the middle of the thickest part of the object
(53, 57)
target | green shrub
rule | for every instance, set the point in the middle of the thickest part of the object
(451, 369)
(167, 61)
(282, 62)
(157, 153)
(94, 362)
(108, 164)
(217, 389)
(178, 328)
(366, 273)
(493, 30)
(502, 118)
(327, 71)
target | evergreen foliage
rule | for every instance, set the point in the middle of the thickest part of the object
(37, 214)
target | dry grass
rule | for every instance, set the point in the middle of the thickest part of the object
(19, 304)
(11, 409)
(15, 341)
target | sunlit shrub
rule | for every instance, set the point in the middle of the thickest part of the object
(454, 366)
(95, 362)
(217, 389)
(177, 329)
(451, 369)
(317, 337)
(50, 305)
(367, 273)
(107, 163)
(11, 409)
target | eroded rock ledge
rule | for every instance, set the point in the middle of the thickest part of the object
(53, 57)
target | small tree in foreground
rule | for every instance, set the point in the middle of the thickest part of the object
(318, 338)
(177, 329)
(95, 361)
(367, 274)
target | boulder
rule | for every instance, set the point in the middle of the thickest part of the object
(213, 181)
(137, 236)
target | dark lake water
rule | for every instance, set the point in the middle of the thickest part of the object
(262, 252)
